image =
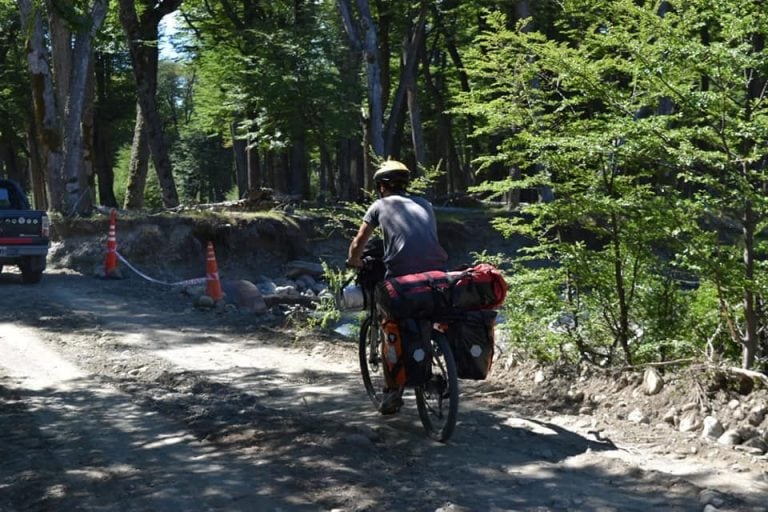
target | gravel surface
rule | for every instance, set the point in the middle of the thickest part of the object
(120, 395)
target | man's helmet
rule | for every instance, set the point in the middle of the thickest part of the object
(392, 172)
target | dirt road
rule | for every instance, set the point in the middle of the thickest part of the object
(119, 395)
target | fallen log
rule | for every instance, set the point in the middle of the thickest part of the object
(750, 373)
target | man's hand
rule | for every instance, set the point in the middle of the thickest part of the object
(354, 259)
(354, 262)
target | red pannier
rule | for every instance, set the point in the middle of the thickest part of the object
(478, 287)
(414, 295)
(425, 294)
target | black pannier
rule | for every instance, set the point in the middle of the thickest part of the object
(407, 351)
(472, 343)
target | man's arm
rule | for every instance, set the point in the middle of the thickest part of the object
(358, 244)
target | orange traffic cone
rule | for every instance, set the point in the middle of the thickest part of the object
(110, 261)
(213, 285)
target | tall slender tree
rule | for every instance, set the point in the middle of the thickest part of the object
(141, 26)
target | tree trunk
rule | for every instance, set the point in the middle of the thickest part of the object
(750, 338)
(411, 58)
(142, 33)
(299, 175)
(622, 329)
(241, 162)
(255, 175)
(138, 165)
(102, 132)
(364, 37)
(77, 197)
(61, 54)
(89, 153)
(37, 174)
(46, 118)
(10, 161)
(445, 141)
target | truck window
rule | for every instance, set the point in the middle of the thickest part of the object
(5, 198)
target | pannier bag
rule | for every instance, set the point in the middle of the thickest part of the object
(423, 294)
(472, 344)
(478, 287)
(407, 352)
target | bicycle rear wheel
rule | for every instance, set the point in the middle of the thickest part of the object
(371, 364)
(438, 399)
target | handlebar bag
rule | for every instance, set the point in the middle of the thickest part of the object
(472, 344)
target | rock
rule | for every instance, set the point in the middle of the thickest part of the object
(747, 432)
(539, 377)
(671, 416)
(731, 437)
(757, 445)
(204, 301)
(287, 291)
(265, 285)
(638, 416)
(245, 295)
(358, 439)
(689, 422)
(734, 404)
(576, 396)
(652, 382)
(305, 282)
(690, 406)
(621, 383)
(452, 507)
(711, 497)
(298, 267)
(757, 415)
(712, 428)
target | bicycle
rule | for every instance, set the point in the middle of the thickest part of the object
(437, 400)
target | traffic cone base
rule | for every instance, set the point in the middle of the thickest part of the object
(110, 260)
(213, 284)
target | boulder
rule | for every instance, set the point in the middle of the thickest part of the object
(245, 295)
(652, 382)
(731, 437)
(296, 268)
(689, 422)
(712, 428)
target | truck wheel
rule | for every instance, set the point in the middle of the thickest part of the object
(32, 269)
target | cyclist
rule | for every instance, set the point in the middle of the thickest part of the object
(409, 230)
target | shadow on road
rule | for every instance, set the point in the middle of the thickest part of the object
(259, 438)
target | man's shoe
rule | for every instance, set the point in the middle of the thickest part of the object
(391, 402)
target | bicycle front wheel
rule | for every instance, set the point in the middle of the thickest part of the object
(438, 399)
(371, 364)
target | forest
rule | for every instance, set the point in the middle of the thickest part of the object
(627, 138)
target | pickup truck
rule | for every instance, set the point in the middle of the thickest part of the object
(24, 233)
